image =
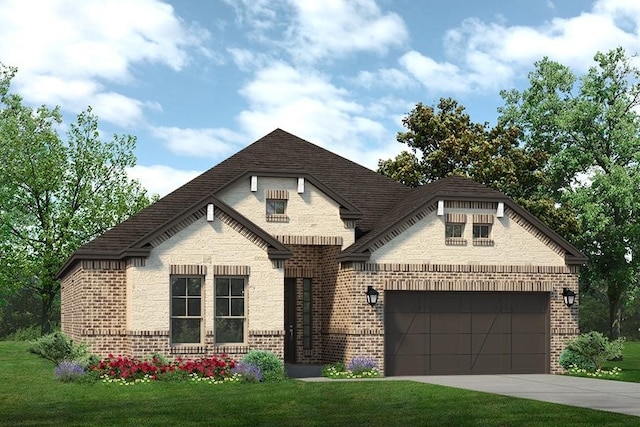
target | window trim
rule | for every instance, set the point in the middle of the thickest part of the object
(230, 297)
(186, 297)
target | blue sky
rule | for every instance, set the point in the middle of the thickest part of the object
(198, 80)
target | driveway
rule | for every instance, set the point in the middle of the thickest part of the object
(604, 395)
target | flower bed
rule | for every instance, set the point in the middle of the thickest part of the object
(358, 367)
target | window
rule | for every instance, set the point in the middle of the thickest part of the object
(453, 230)
(229, 310)
(481, 231)
(276, 207)
(186, 310)
(306, 314)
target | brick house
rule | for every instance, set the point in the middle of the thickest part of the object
(275, 248)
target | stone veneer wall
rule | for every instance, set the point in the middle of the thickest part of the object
(354, 328)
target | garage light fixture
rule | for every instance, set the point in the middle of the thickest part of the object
(372, 296)
(568, 296)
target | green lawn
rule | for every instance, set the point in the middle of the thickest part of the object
(630, 363)
(30, 397)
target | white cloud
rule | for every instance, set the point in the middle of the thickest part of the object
(161, 179)
(76, 45)
(488, 56)
(306, 103)
(338, 27)
(215, 143)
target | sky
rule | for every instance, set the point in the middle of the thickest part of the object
(198, 80)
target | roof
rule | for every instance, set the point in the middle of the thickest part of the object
(377, 203)
(449, 188)
(364, 194)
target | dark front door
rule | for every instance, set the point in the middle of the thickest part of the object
(290, 320)
(431, 333)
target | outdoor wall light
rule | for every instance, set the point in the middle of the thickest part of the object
(568, 296)
(372, 296)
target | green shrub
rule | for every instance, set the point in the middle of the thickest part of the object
(271, 366)
(569, 359)
(28, 333)
(596, 347)
(57, 347)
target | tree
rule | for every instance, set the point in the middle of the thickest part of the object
(590, 128)
(444, 141)
(56, 195)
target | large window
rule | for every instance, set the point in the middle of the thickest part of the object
(230, 310)
(306, 314)
(186, 310)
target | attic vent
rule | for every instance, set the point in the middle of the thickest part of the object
(482, 219)
(277, 194)
(458, 218)
(254, 183)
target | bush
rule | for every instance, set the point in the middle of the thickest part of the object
(271, 366)
(596, 347)
(570, 359)
(360, 364)
(57, 347)
(249, 373)
(28, 333)
(68, 371)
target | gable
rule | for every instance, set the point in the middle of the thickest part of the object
(309, 209)
(511, 241)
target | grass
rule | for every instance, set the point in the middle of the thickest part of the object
(29, 396)
(630, 363)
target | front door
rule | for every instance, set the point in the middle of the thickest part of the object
(290, 320)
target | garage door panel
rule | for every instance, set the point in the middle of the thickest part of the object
(488, 303)
(409, 365)
(458, 302)
(528, 323)
(526, 363)
(486, 364)
(412, 323)
(490, 343)
(529, 343)
(450, 344)
(529, 303)
(409, 344)
(491, 322)
(451, 322)
(407, 302)
(446, 364)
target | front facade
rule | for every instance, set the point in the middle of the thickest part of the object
(275, 247)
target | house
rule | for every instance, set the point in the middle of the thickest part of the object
(276, 247)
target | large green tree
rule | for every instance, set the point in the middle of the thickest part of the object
(590, 128)
(445, 141)
(55, 194)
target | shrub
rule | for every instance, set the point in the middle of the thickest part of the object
(28, 333)
(271, 366)
(57, 347)
(68, 371)
(570, 359)
(249, 373)
(360, 364)
(596, 347)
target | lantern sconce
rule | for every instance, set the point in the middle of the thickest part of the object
(568, 296)
(372, 296)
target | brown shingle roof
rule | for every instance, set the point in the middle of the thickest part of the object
(371, 194)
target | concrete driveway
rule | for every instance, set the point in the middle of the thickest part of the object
(605, 395)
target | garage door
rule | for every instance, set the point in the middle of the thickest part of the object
(445, 333)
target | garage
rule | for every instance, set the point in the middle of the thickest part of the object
(461, 333)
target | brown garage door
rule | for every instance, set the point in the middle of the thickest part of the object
(444, 333)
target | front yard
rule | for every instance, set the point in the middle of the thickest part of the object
(29, 396)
